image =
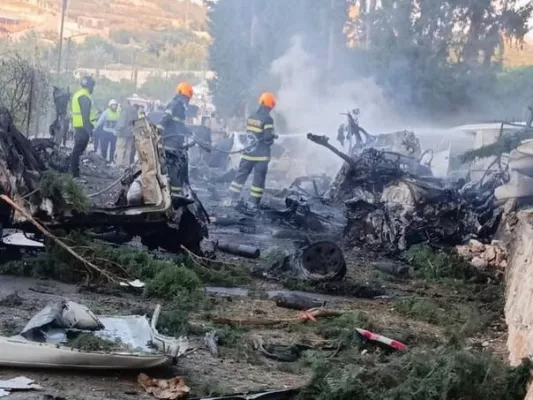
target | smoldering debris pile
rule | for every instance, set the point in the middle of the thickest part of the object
(393, 202)
(28, 176)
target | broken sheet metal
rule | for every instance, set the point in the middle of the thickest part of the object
(50, 324)
(20, 239)
(43, 342)
(20, 383)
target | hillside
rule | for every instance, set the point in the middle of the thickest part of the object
(101, 16)
(519, 56)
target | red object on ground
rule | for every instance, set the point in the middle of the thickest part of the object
(382, 339)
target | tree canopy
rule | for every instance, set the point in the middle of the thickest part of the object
(432, 56)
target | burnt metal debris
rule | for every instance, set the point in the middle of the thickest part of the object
(239, 249)
(382, 198)
(392, 202)
(320, 261)
(160, 220)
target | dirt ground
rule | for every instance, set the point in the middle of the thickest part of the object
(240, 366)
(237, 369)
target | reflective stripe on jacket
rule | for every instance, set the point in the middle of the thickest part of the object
(261, 125)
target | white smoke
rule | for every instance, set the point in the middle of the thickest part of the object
(308, 104)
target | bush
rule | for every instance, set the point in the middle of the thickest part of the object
(445, 373)
(433, 264)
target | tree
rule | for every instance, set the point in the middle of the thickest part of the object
(437, 55)
(159, 87)
(249, 34)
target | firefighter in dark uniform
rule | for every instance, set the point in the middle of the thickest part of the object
(83, 121)
(261, 125)
(174, 133)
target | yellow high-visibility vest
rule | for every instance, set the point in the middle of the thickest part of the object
(112, 115)
(77, 119)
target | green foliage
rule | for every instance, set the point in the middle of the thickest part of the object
(172, 281)
(62, 188)
(231, 336)
(517, 83)
(438, 264)
(249, 34)
(159, 87)
(90, 342)
(434, 57)
(444, 373)
(424, 61)
(167, 48)
(107, 89)
(455, 317)
(174, 322)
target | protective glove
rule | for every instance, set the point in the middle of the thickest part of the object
(270, 139)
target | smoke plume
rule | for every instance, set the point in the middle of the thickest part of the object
(309, 104)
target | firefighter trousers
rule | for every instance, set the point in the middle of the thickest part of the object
(257, 189)
(178, 170)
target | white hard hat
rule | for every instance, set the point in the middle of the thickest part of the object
(112, 102)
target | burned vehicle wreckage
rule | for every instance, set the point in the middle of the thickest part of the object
(383, 198)
(159, 219)
(392, 201)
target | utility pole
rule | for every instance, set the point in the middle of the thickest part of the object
(63, 11)
(252, 43)
(331, 36)
(186, 14)
(133, 74)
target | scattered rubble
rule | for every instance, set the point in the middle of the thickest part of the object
(392, 202)
(174, 388)
(483, 256)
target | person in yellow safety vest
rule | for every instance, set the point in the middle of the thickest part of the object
(261, 125)
(83, 121)
(108, 122)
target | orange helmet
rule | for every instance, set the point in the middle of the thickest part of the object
(185, 88)
(267, 99)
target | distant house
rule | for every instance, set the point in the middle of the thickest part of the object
(12, 23)
(8, 20)
(90, 22)
(46, 4)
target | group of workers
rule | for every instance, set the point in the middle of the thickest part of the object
(117, 133)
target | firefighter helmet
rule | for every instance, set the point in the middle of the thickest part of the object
(267, 99)
(185, 89)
